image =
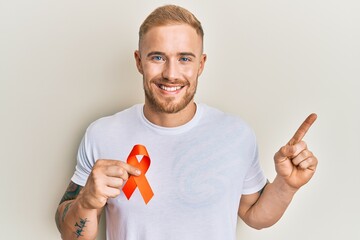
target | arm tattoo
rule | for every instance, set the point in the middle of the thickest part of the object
(66, 209)
(57, 219)
(262, 190)
(71, 192)
(80, 227)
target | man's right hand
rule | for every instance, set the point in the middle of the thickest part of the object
(105, 181)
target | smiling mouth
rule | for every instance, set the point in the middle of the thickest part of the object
(170, 89)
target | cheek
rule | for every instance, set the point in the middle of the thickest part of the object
(190, 72)
(152, 71)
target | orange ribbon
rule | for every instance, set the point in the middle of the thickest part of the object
(139, 181)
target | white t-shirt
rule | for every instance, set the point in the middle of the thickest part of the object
(198, 173)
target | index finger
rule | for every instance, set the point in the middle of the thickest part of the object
(126, 167)
(130, 169)
(302, 130)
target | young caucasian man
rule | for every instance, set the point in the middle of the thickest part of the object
(172, 168)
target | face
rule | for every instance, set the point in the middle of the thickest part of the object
(170, 59)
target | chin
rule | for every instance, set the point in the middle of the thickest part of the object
(169, 107)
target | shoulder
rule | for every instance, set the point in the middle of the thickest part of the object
(227, 126)
(115, 121)
(217, 117)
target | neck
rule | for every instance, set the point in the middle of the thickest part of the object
(170, 119)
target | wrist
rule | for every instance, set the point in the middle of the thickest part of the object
(89, 202)
(283, 186)
(82, 202)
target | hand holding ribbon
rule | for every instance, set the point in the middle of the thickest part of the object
(104, 182)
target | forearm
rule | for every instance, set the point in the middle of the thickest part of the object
(77, 222)
(271, 205)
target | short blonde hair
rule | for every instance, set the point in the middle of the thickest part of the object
(167, 15)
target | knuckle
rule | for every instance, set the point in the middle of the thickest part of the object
(121, 182)
(99, 162)
(314, 161)
(303, 165)
(96, 172)
(96, 180)
(120, 163)
(290, 151)
(125, 176)
(284, 150)
(304, 154)
(114, 192)
(117, 192)
(303, 145)
(309, 154)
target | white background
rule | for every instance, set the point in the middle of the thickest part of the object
(63, 64)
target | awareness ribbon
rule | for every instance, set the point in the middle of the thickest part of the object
(139, 181)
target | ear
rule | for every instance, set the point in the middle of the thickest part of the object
(138, 61)
(202, 64)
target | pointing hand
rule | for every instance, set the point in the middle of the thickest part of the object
(294, 162)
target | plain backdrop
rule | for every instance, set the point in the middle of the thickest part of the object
(63, 64)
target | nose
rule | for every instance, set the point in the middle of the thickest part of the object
(171, 70)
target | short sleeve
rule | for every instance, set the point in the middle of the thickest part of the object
(255, 179)
(84, 163)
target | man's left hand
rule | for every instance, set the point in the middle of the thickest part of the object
(294, 162)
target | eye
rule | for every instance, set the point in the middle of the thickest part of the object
(157, 58)
(185, 59)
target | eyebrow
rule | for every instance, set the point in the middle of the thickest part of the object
(154, 53)
(163, 54)
(187, 54)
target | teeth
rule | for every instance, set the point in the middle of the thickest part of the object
(170, 89)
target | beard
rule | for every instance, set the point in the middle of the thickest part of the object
(167, 105)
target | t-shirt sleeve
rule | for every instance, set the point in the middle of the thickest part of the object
(84, 163)
(255, 179)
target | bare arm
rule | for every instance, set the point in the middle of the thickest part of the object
(72, 218)
(295, 165)
(265, 208)
(79, 211)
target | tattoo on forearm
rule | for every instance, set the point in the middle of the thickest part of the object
(80, 227)
(66, 209)
(71, 192)
(57, 219)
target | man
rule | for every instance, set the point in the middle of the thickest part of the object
(191, 169)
